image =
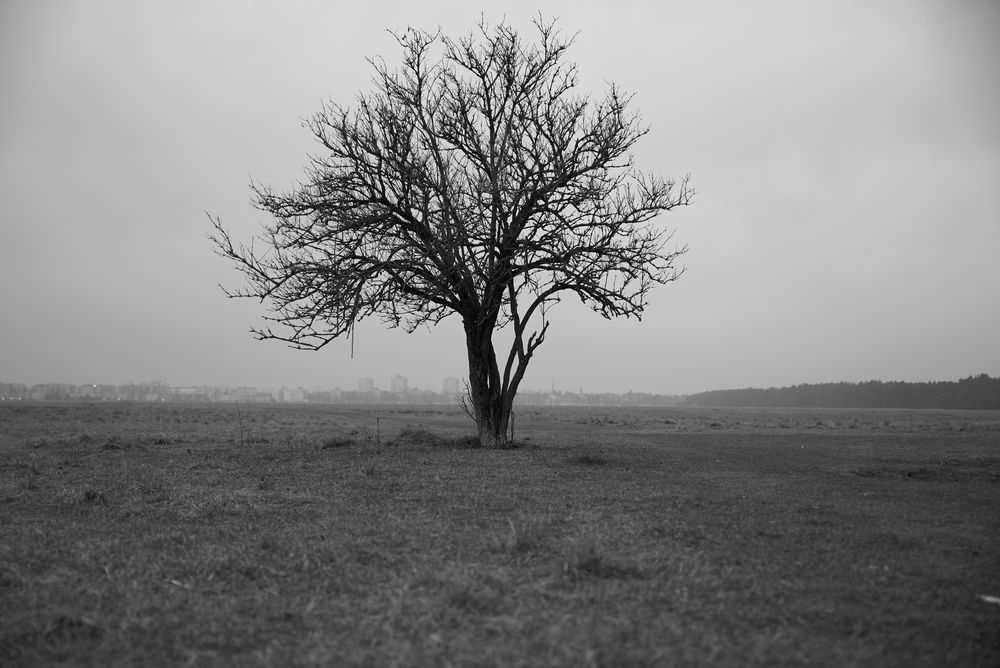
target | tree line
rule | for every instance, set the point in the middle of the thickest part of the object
(974, 392)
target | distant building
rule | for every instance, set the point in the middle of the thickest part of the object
(52, 392)
(366, 384)
(246, 393)
(398, 384)
(189, 393)
(449, 386)
(151, 391)
(13, 391)
(289, 395)
(336, 394)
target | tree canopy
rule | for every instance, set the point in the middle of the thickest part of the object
(473, 180)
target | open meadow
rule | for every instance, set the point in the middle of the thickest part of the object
(166, 534)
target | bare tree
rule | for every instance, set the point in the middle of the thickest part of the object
(474, 180)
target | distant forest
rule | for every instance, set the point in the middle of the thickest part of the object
(974, 392)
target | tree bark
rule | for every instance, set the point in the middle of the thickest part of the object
(491, 406)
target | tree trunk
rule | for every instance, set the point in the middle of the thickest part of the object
(491, 406)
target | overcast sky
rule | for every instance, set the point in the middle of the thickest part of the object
(846, 157)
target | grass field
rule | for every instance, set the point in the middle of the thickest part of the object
(282, 536)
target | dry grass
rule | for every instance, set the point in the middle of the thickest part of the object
(146, 535)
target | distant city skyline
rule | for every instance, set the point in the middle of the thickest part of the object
(980, 392)
(394, 383)
(399, 384)
(158, 392)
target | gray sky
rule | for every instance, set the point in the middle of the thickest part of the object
(846, 157)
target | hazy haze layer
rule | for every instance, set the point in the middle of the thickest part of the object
(846, 157)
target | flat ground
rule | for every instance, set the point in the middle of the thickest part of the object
(166, 534)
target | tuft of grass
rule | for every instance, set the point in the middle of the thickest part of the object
(336, 442)
(96, 497)
(265, 482)
(113, 443)
(520, 538)
(468, 442)
(369, 468)
(418, 435)
(589, 459)
(586, 559)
